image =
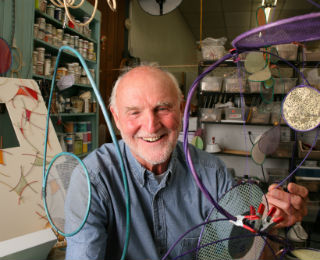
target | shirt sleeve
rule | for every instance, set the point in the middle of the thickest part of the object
(91, 241)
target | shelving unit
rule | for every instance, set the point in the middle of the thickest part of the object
(237, 130)
(52, 48)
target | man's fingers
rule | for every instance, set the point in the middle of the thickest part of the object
(288, 220)
(298, 190)
(284, 205)
(272, 186)
(284, 199)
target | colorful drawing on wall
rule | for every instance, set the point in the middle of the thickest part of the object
(20, 186)
(20, 164)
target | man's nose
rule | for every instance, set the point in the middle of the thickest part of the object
(152, 122)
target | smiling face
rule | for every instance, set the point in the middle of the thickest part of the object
(148, 112)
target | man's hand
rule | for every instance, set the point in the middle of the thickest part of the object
(291, 205)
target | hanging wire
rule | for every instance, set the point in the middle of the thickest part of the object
(66, 4)
(113, 136)
(200, 36)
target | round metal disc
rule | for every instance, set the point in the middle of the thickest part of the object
(257, 155)
(159, 7)
(301, 108)
(254, 62)
(261, 75)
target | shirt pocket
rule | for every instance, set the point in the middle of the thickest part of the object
(188, 244)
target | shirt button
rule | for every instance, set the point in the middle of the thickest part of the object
(159, 227)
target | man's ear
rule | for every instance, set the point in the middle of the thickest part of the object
(182, 106)
(115, 116)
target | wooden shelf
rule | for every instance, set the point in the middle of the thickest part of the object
(50, 78)
(73, 114)
(50, 47)
(59, 24)
(240, 153)
(240, 124)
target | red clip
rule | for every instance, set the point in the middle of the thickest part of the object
(261, 209)
(252, 210)
(272, 211)
(252, 217)
(278, 219)
(249, 228)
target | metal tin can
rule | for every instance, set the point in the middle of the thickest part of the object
(69, 127)
(82, 127)
(84, 147)
(57, 13)
(50, 10)
(78, 146)
(42, 23)
(48, 28)
(39, 69)
(76, 41)
(35, 30)
(60, 34)
(41, 51)
(70, 142)
(34, 57)
(47, 67)
(41, 5)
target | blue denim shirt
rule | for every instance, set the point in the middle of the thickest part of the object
(160, 212)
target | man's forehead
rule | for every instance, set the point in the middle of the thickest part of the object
(155, 105)
(146, 86)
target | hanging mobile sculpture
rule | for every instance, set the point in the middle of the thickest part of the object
(301, 28)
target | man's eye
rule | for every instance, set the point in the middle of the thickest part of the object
(163, 109)
(133, 113)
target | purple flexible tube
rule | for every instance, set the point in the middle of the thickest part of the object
(185, 141)
(187, 232)
(214, 242)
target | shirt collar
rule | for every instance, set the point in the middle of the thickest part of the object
(140, 172)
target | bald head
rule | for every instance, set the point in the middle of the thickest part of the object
(142, 74)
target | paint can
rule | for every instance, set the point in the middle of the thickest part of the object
(88, 123)
(81, 126)
(58, 13)
(79, 136)
(85, 147)
(69, 127)
(40, 51)
(50, 10)
(70, 142)
(89, 135)
(78, 147)
(85, 136)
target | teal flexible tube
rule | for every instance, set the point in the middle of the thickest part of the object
(113, 136)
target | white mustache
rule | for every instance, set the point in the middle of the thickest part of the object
(144, 134)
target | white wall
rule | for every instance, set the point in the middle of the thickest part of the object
(165, 39)
(235, 137)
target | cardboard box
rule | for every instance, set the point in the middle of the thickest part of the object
(35, 246)
(303, 152)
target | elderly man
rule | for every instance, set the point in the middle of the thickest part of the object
(165, 201)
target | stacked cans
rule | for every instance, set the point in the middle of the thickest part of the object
(55, 36)
(78, 137)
